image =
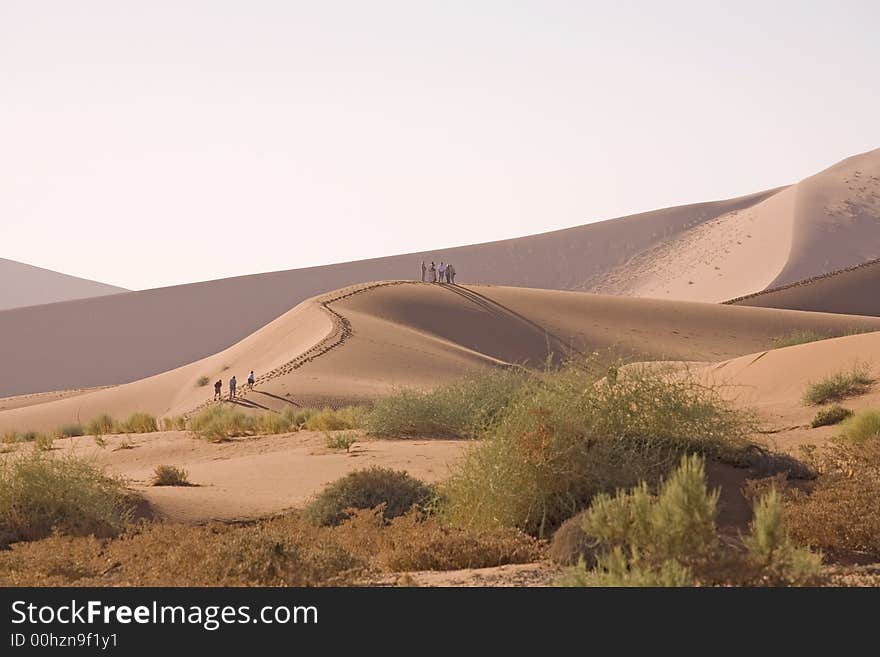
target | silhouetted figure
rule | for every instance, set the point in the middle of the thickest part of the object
(424, 271)
(251, 379)
(218, 389)
(433, 272)
(232, 385)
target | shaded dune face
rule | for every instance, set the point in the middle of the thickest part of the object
(361, 342)
(26, 285)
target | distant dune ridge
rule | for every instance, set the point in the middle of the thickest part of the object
(706, 252)
(26, 285)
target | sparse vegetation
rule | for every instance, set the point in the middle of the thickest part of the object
(43, 442)
(567, 436)
(838, 386)
(170, 475)
(40, 494)
(671, 539)
(340, 440)
(174, 423)
(100, 425)
(328, 419)
(396, 491)
(139, 423)
(832, 415)
(464, 409)
(801, 336)
(202, 381)
(217, 423)
(70, 430)
(861, 427)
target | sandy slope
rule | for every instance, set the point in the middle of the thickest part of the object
(851, 291)
(773, 382)
(129, 336)
(361, 342)
(825, 222)
(26, 285)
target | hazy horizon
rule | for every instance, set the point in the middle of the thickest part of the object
(160, 144)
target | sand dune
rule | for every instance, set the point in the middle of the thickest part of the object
(130, 336)
(851, 291)
(358, 343)
(828, 221)
(26, 285)
(774, 382)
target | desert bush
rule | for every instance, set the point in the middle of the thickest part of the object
(15, 437)
(100, 425)
(170, 475)
(340, 440)
(273, 423)
(174, 423)
(396, 491)
(40, 494)
(567, 437)
(218, 423)
(831, 415)
(202, 381)
(838, 386)
(139, 423)
(328, 419)
(838, 513)
(43, 442)
(70, 430)
(671, 539)
(861, 427)
(571, 544)
(462, 409)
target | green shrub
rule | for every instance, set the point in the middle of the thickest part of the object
(40, 494)
(395, 491)
(838, 386)
(100, 425)
(671, 539)
(463, 409)
(340, 440)
(328, 419)
(70, 430)
(830, 415)
(170, 475)
(202, 382)
(566, 437)
(863, 426)
(139, 423)
(273, 423)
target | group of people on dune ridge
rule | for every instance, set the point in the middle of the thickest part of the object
(445, 273)
(233, 384)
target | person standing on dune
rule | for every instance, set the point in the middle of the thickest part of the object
(433, 272)
(232, 388)
(251, 380)
(424, 270)
(450, 274)
(442, 271)
(218, 389)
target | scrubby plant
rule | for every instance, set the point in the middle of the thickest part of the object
(217, 423)
(329, 419)
(566, 437)
(463, 409)
(170, 475)
(340, 440)
(274, 423)
(70, 430)
(139, 423)
(800, 336)
(861, 427)
(100, 425)
(831, 415)
(43, 442)
(40, 494)
(671, 539)
(571, 544)
(838, 386)
(202, 381)
(396, 491)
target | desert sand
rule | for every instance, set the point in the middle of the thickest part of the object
(361, 342)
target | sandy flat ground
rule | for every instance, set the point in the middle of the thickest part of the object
(248, 478)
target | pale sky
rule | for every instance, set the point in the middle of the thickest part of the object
(154, 143)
